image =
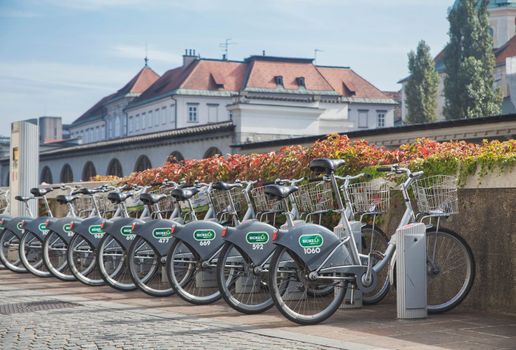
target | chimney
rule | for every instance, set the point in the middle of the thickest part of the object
(189, 57)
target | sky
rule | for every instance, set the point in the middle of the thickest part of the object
(59, 57)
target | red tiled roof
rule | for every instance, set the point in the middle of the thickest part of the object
(345, 81)
(171, 80)
(507, 50)
(262, 73)
(208, 73)
(138, 84)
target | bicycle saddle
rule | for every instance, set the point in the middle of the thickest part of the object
(118, 197)
(86, 191)
(325, 165)
(221, 185)
(279, 191)
(183, 194)
(22, 199)
(151, 198)
(63, 199)
(40, 192)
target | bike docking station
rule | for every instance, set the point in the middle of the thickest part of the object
(411, 284)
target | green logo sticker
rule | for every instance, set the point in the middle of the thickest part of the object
(19, 226)
(204, 235)
(165, 232)
(126, 230)
(257, 237)
(311, 241)
(67, 228)
(43, 228)
(95, 230)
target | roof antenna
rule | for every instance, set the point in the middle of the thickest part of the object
(146, 59)
(315, 54)
(225, 45)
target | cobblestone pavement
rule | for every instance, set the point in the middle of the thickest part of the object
(101, 318)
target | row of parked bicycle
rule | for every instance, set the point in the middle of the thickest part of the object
(255, 247)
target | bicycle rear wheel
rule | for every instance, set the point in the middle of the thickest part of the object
(450, 269)
(113, 264)
(9, 252)
(31, 255)
(298, 298)
(194, 280)
(82, 260)
(54, 256)
(147, 268)
(244, 289)
(374, 242)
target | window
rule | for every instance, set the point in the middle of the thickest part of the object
(115, 168)
(66, 174)
(137, 122)
(88, 171)
(130, 126)
(380, 119)
(117, 127)
(362, 118)
(213, 113)
(144, 120)
(300, 81)
(46, 175)
(278, 79)
(192, 112)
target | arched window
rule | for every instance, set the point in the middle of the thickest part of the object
(88, 171)
(142, 163)
(211, 152)
(115, 168)
(46, 175)
(66, 174)
(175, 157)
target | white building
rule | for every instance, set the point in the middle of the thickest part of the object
(502, 21)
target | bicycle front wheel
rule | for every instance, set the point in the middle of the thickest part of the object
(113, 264)
(298, 298)
(54, 257)
(243, 288)
(450, 269)
(82, 259)
(9, 252)
(375, 242)
(147, 268)
(31, 254)
(192, 279)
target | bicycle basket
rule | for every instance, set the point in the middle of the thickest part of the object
(369, 197)
(314, 197)
(221, 200)
(265, 204)
(436, 195)
(166, 205)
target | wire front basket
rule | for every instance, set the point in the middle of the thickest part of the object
(436, 195)
(369, 197)
(221, 200)
(314, 197)
(266, 204)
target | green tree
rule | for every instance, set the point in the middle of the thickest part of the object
(422, 86)
(469, 63)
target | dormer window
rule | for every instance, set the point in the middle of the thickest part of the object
(300, 81)
(278, 79)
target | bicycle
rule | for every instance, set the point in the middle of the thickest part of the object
(311, 267)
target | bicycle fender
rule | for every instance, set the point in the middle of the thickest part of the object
(4, 218)
(254, 238)
(37, 226)
(121, 230)
(61, 227)
(15, 225)
(90, 229)
(205, 237)
(158, 233)
(313, 243)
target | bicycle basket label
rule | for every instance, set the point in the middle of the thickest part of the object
(43, 228)
(67, 227)
(95, 229)
(165, 232)
(126, 230)
(204, 235)
(257, 237)
(311, 241)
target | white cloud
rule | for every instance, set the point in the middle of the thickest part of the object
(138, 52)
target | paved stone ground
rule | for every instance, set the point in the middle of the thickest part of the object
(107, 319)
